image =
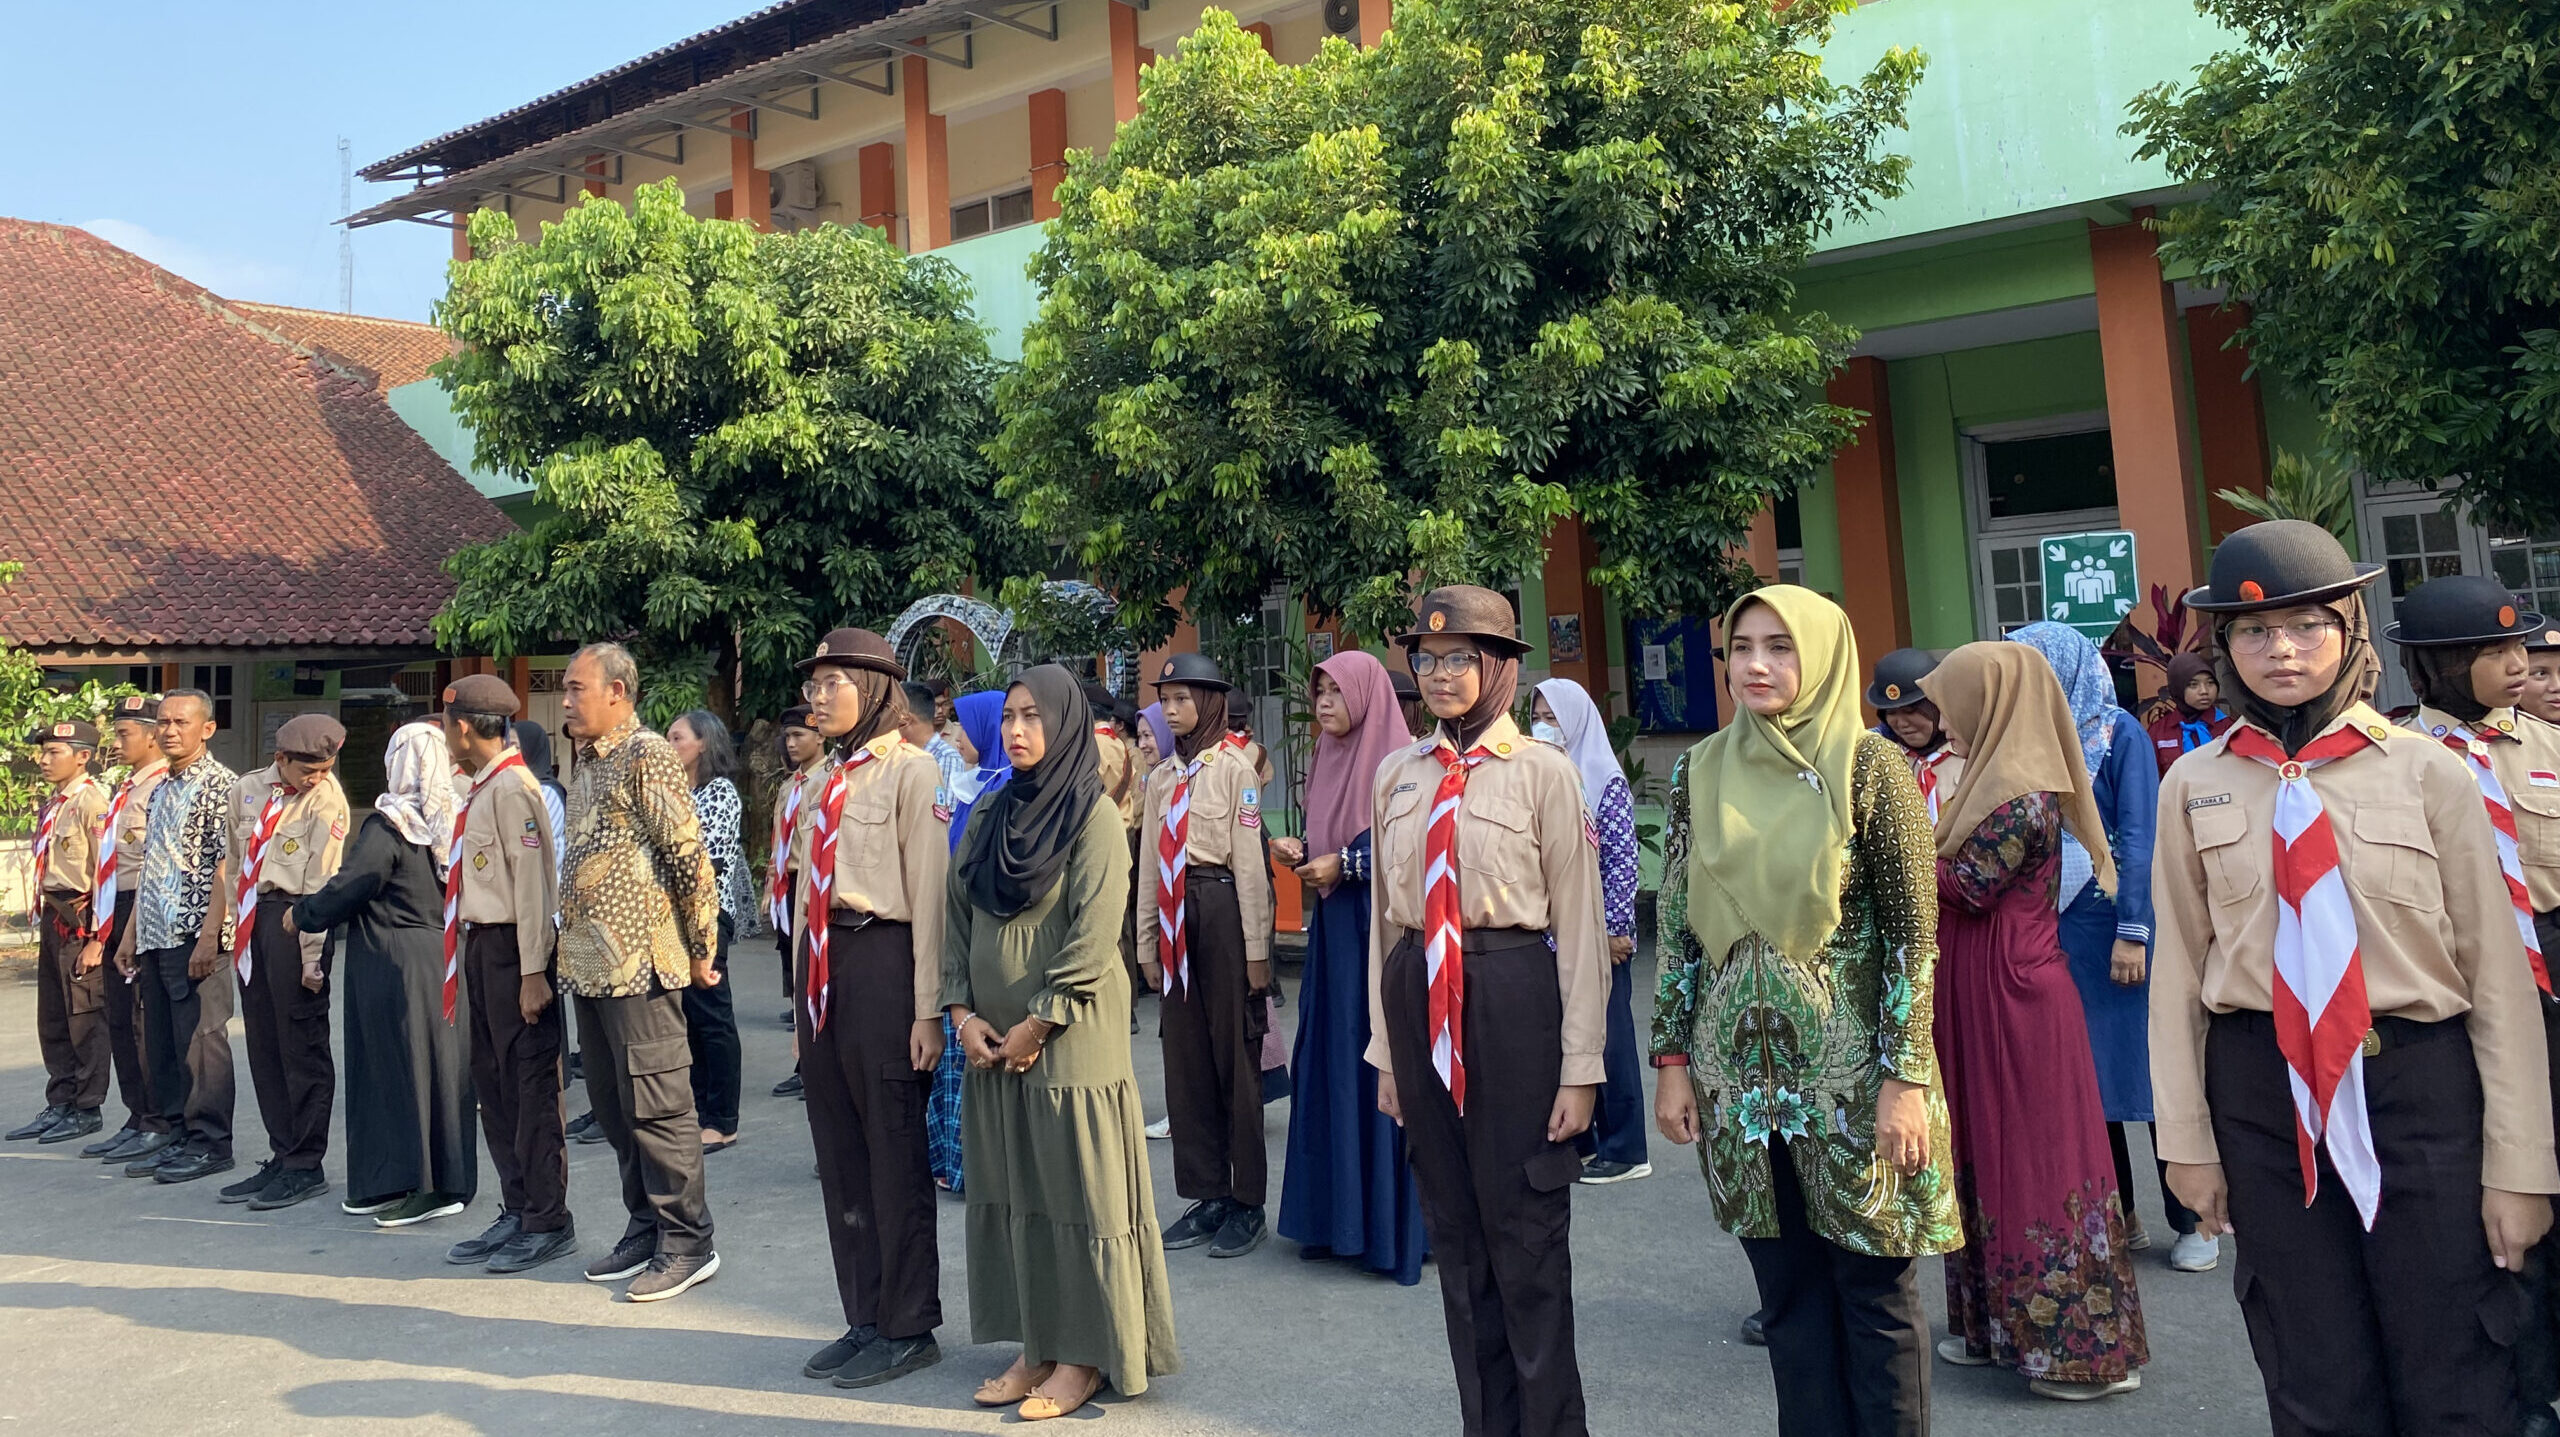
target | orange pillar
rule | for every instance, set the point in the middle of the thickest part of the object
(1048, 150)
(1261, 32)
(878, 167)
(2231, 423)
(750, 189)
(2146, 403)
(462, 234)
(1125, 51)
(1571, 556)
(595, 166)
(1375, 16)
(1869, 498)
(928, 162)
(1762, 544)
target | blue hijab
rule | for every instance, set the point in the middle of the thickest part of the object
(981, 717)
(2086, 683)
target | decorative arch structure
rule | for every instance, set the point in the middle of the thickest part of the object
(1001, 635)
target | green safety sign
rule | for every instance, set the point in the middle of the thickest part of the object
(2089, 580)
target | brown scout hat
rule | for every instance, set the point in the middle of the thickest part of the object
(856, 649)
(482, 694)
(1466, 611)
(316, 737)
(70, 731)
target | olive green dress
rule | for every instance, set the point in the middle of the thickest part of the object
(1064, 1255)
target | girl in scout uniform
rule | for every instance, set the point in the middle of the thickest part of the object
(1905, 715)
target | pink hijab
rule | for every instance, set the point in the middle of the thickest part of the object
(1342, 779)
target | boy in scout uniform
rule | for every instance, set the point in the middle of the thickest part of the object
(2463, 644)
(2349, 1067)
(70, 996)
(136, 727)
(287, 832)
(803, 752)
(1204, 942)
(2542, 673)
(870, 1015)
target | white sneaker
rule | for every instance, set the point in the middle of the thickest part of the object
(1161, 1128)
(2195, 1252)
(1953, 1350)
(2084, 1391)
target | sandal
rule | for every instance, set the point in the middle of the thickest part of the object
(997, 1391)
(1040, 1407)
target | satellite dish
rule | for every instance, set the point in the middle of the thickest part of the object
(1342, 17)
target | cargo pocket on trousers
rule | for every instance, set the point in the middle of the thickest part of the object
(661, 1078)
(904, 1090)
(1542, 1222)
(88, 990)
(2504, 1312)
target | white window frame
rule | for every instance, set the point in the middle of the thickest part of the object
(1987, 533)
(988, 198)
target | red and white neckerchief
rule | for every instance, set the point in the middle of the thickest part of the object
(2321, 1013)
(53, 811)
(102, 909)
(2473, 745)
(778, 884)
(1444, 929)
(244, 895)
(1173, 864)
(453, 883)
(818, 901)
(1924, 770)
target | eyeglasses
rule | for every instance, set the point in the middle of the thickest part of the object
(2248, 637)
(816, 689)
(1458, 665)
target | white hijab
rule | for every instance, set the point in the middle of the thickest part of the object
(420, 801)
(1586, 738)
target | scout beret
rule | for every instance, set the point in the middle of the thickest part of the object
(139, 708)
(2277, 564)
(1897, 681)
(798, 716)
(1198, 671)
(70, 731)
(482, 694)
(856, 649)
(2460, 609)
(1466, 611)
(314, 736)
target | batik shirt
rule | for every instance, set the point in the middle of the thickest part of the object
(1797, 1051)
(182, 852)
(637, 896)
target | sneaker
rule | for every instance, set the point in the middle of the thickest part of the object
(889, 1359)
(34, 1127)
(480, 1249)
(585, 1129)
(627, 1259)
(827, 1361)
(112, 1141)
(190, 1164)
(2194, 1252)
(791, 1087)
(78, 1123)
(153, 1160)
(529, 1250)
(2137, 1238)
(1196, 1226)
(2084, 1391)
(1161, 1128)
(367, 1207)
(1755, 1330)
(1241, 1233)
(1601, 1170)
(288, 1187)
(418, 1208)
(254, 1184)
(1952, 1350)
(668, 1276)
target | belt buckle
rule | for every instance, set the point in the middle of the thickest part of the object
(2372, 1042)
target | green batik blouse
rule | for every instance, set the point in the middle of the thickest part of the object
(1797, 1051)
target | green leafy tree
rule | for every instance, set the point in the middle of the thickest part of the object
(28, 703)
(744, 440)
(1381, 319)
(2383, 189)
(2316, 491)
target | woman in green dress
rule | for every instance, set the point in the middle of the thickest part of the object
(1064, 1255)
(1798, 922)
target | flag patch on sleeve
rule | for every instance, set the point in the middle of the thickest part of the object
(2543, 778)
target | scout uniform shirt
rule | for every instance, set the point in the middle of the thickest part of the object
(1527, 858)
(1225, 831)
(71, 855)
(2525, 754)
(893, 850)
(1119, 764)
(309, 840)
(2435, 930)
(508, 873)
(796, 852)
(132, 829)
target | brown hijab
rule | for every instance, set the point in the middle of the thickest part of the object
(1212, 706)
(2019, 739)
(1501, 675)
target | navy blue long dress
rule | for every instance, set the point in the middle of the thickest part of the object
(2128, 792)
(1346, 1190)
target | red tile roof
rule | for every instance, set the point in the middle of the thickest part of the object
(174, 473)
(398, 351)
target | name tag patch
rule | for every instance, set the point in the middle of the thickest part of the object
(2211, 800)
(1407, 787)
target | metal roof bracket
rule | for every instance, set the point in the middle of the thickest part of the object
(1009, 16)
(777, 106)
(923, 49)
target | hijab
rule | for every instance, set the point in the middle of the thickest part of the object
(2441, 676)
(418, 796)
(1494, 697)
(1011, 856)
(981, 717)
(2359, 674)
(1769, 798)
(2086, 684)
(535, 741)
(1342, 778)
(2019, 738)
(2184, 669)
(1211, 729)
(1153, 716)
(1586, 738)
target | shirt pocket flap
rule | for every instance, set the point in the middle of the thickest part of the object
(1403, 800)
(870, 806)
(2401, 825)
(2539, 801)
(2216, 827)
(658, 1055)
(1507, 813)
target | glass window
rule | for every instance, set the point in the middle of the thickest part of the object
(969, 219)
(215, 679)
(2530, 566)
(1010, 210)
(2052, 475)
(984, 216)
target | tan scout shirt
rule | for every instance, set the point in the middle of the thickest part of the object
(508, 873)
(2434, 927)
(893, 850)
(309, 841)
(1225, 832)
(1119, 764)
(1525, 860)
(71, 855)
(2525, 754)
(807, 782)
(133, 829)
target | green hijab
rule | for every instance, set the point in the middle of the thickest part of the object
(1766, 846)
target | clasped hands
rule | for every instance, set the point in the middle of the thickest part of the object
(985, 1048)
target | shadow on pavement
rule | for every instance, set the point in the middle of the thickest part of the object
(497, 1410)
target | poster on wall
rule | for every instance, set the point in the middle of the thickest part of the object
(1319, 647)
(2090, 580)
(1674, 675)
(1564, 638)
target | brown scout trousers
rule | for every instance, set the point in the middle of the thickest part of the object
(515, 1073)
(71, 1020)
(123, 998)
(290, 1065)
(1496, 1195)
(866, 1116)
(1212, 1076)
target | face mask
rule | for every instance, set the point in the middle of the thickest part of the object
(1547, 733)
(965, 788)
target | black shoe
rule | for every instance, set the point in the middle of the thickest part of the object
(139, 1145)
(791, 1087)
(2540, 1421)
(788, 1020)
(827, 1361)
(1242, 1232)
(529, 1250)
(480, 1249)
(627, 1259)
(1198, 1225)
(190, 1165)
(106, 1146)
(668, 1276)
(154, 1159)
(254, 1184)
(889, 1359)
(584, 1129)
(1755, 1330)
(34, 1127)
(288, 1187)
(78, 1123)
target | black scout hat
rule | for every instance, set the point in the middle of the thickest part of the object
(856, 649)
(1465, 611)
(2542, 643)
(1407, 691)
(1198, 671)
(137, 708)
(2460, 609)
(1898, 676)
(2277, 564)
(317, 737)
(798, 716)
(482, 694)
(70, 731)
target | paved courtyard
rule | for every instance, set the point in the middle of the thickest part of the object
(133, 1306)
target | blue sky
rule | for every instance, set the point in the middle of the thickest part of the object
(204, 136)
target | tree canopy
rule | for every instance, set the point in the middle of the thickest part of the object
(1382, 318)
(2384, 193)
(742, 439)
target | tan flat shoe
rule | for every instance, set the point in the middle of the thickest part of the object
(1040, 1407)
(1004, 1389)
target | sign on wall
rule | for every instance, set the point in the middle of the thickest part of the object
(2090, 581)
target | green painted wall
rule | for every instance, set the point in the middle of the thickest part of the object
(1818, 511)
(425, 407)
(1001, 291)
(1976, 276)
(2005, 382)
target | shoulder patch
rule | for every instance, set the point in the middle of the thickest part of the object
(1249, 817)
(1251, 798)
(942, 811)
(1590, 831)
(2210, 800)
(338, 828)
(530, 841)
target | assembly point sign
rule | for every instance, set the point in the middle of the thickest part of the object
(2089, 580)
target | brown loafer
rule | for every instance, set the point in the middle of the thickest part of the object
(1004, 1390)
(1040, 1407)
